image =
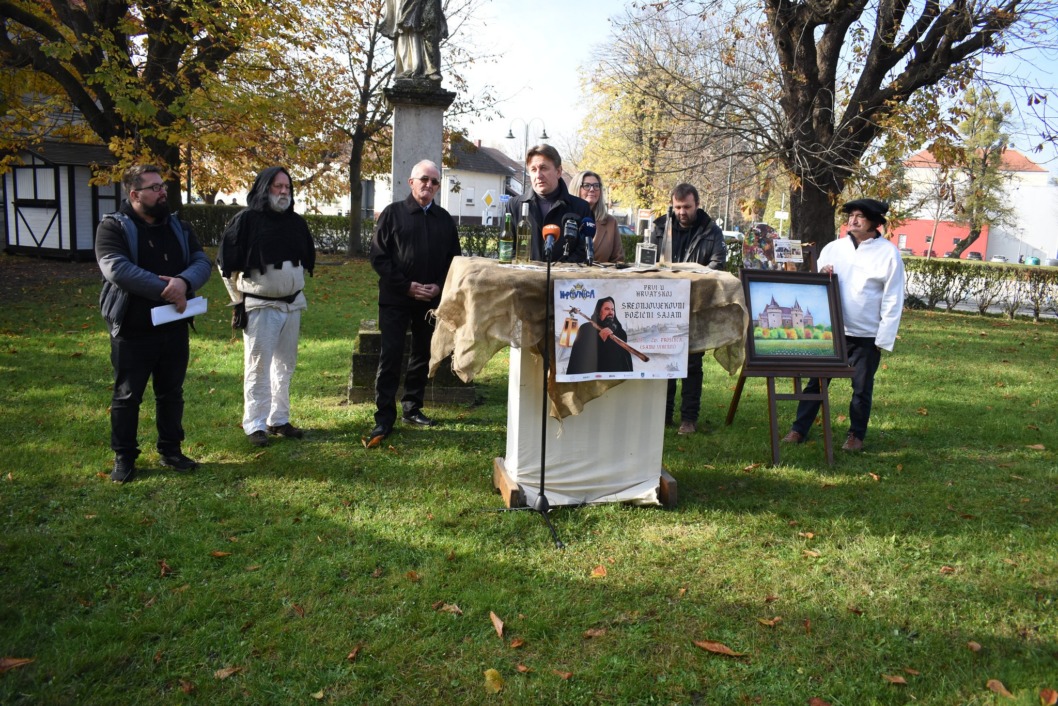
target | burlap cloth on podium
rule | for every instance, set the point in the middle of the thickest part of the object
(487, 306)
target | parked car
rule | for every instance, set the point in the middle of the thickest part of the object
(974, 256)
(626, 231)
(733, 236)
(998, 258)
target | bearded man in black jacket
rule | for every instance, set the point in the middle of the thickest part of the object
(148, 258)
(264, 255)
(594, 350)
(696, 237)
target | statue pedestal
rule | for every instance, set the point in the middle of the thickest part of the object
(418, 127)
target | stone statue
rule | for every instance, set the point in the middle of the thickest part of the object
(416, 28)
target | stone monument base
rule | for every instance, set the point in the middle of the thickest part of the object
(443, 388)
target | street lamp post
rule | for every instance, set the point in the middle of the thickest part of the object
(525, 141)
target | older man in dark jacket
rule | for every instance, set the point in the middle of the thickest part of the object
(696, 237)
(412, 249)
(149, 258)
(548, 201)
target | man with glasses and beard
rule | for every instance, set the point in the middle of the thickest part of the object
(412, 249)
(264, 255)
(594, 349)
(148, 258)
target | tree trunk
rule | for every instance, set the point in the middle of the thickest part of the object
(356, 195)
(812, 219)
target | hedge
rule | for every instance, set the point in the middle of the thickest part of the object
(932, 281)
(331, 233)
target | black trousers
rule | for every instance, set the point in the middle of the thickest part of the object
(692, 391)
(864, 357)
(393, 323)
(162, 357)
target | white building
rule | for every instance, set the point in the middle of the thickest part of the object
(1031, 192)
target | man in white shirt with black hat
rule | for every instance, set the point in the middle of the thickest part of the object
(871, 282)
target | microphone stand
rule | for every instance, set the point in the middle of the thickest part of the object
(542, 506)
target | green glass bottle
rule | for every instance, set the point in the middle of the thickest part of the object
(507, 242)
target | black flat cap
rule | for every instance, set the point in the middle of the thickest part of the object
(872, 208)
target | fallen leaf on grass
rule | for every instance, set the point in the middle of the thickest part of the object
(253, 567)
(377, 573)
(227, 672)
(598, 572)
(923, 411)
(718, 648)
(351, 657)
(841, 418)
(806, 535)
(997, 686)
(564, 675)
(448, 608)
(899, 467)
(974, 646)
(412, 576)
(816, 701)
(522, 668)
(219, 555)
(808, 626)
(855, 610)
(187, 687)
(810, 553)
(752, 467)
(493, 681)
(166, 570)
(770, 598)
(9, 663)
(517, 643)
(874, 476)
(1037, 447)
(682, 592)
(594, 632)
(947, 570)
(299, 610)
(770, 623)
(1048, 697)
(90, 517)
(158, 657)
(894, 679)
(496, 623)
(318, 695)
(912, 672)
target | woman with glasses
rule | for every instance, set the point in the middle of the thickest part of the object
(607, 243)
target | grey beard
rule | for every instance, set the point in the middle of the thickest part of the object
(278, 202)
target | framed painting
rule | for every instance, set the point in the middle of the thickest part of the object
(795, 321)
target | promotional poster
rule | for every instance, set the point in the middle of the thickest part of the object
(621, 329)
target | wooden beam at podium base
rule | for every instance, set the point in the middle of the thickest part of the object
(513, 496)
(505, 485)
(667, 490)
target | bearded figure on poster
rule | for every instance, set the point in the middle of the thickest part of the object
(416, 28)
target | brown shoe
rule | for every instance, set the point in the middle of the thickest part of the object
(794, 437)
(852, 444)
(687, 427)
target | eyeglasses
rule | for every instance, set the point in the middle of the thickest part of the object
(591, 187)
(427, 180)
(153, 187)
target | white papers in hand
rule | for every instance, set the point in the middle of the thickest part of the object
(167, 313)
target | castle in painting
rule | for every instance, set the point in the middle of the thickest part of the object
(776, 316)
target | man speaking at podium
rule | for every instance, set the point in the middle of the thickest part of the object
(549, 200)
(594, 349)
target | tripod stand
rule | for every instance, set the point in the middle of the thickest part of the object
(541, 505)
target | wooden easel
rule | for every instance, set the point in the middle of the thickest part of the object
(824, 375)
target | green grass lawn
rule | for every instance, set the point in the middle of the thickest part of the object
(320, 572)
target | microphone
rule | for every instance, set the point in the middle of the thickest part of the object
(570, 232)
(550, 233)
(587, 231)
